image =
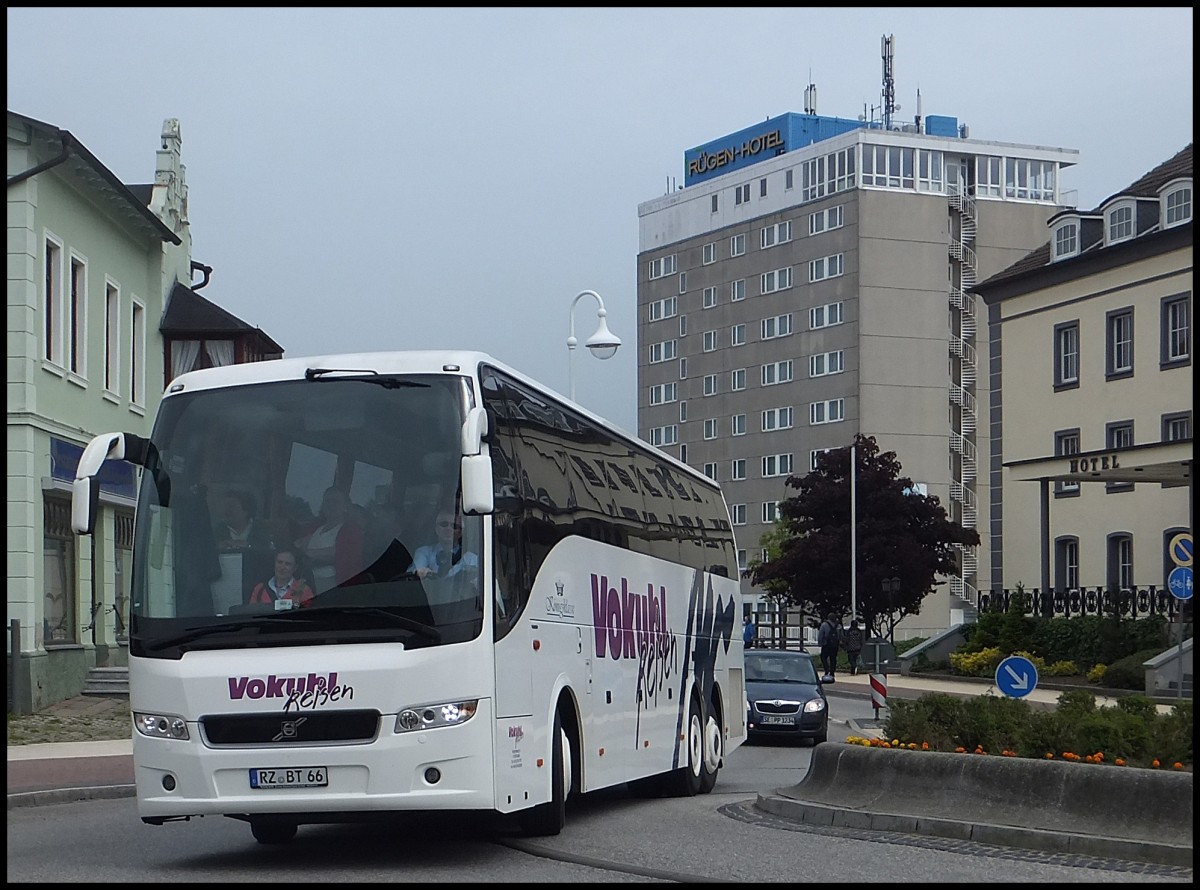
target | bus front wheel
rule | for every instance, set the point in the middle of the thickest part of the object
(685, 781)
(547, 819)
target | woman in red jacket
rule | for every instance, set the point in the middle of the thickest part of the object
(283, 585)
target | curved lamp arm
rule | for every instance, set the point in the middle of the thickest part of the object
(603, 344)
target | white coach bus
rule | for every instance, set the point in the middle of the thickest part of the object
(583, 634)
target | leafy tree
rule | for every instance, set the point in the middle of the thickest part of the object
(900, 534)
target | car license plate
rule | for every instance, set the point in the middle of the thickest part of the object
(777, 719)
(290, 777)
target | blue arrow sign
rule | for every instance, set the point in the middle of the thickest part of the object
(1180, 582)
(1016, 676)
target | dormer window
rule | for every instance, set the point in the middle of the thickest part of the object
(1118, 223)
(1066, 240)
(1177, 203)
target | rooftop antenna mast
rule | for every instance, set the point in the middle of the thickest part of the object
(888, 47)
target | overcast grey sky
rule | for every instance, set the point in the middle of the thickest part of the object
(365, 179)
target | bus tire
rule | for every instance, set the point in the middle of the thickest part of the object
(685, 781)
(710, 763)
(548, 819)
(272, 830)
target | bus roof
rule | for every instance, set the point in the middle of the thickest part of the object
(423, 361)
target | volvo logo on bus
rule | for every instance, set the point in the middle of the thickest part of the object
(289, 729)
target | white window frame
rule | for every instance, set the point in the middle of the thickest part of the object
(710, 428)
(824, 364)
(823, 316)
(661, 436)
(709, 298)
(737, 425)
(737, 290)
(710, 385)
(741, 194)
(137, 354)
(711, 341)
(775, 280)
(827, 411)
(737, 244)
(737, 335)
(663, 393)
(737, 379)
(737, 514)
(664, 308)
(775, 373)
(1066, 239)
(53, 299)
(76, 329)
(812, 457)
(1176, 204)
(663, 351)
(737, 469)
(774, 419)
(709, 254)
(112, 337)
(832, 266)
(710, 470)
(776, 465)
(663, 266)
(775, 326)
(1120, 222)
(771, 236)
(770, 512)
(826, 220)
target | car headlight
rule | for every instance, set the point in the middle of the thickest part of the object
(432, 716)
(813, 705)
(161, 726)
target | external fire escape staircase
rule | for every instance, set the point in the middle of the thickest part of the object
(964, 424)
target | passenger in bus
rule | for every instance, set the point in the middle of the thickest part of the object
(285, 584)
(333, 544)
(445, 558)
(239, 529)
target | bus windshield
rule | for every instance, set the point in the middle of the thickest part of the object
(307, 512)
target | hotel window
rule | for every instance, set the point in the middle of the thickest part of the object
(741, 194)
(776, 326)
(683, 452)
(710, 470)
(1120, 561)
(1177, 206)
(741, 554)
(737, 514)
(779, 279)
(787, 179)
(1066, 355)
(137, 355)
(824, 220)
(715, 203)
(888, 165)
(1117, 436)
(737, 424)
(710, 428)
(683, 282)
(826, 267)
(662, 266)
(737, 335)
(770, 511)
(52, 347)
(59, 623)
(1176, 330)
(683, 326)
(737, 379)
(660, 309)
(987, 175)
(814, 455)
(683, 412)
(1177, 427)
(662, 393)
(683, 368)
(1119, 362)
(710, 297)
(737, 245)
(777, 419)
(709, 253)
(112, 337)
(737, 290)
(1029, 179)
(776, 372)
(776, 465)
(830, 411)
(1066, 443)
(710, 384)
(737, 469)
(769, 236)
(1066, 240)
(929, 171)
(762, 187)
(711, 341)
(1066, 563)
(77, 319)
(663, 352)
(824, 316)
(664, 435)
(1119, 223)
(826, 363)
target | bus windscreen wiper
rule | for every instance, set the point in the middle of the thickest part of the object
(364, 374)
(197, 633)
(316, 613)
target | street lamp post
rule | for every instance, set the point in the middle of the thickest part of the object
(603, 343)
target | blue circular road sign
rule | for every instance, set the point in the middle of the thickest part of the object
(1016, 676)
(1180, 583)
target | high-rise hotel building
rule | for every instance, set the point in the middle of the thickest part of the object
(811, 280)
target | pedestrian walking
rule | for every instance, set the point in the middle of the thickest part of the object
(852, 640)
(827, 638)
(749, 632)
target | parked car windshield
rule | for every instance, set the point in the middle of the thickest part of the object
(780, 667)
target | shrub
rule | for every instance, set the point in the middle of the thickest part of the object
(982, 663)
(1096, 674)
(1061, 669)
(1171, 734)
(1128, 672)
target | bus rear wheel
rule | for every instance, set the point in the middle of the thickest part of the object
(710, 764)
(272, 830)
(548, 819)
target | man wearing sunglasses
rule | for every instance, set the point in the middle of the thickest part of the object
(445, 558)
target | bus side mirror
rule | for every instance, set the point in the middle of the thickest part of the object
(477, 495)
(85, 490)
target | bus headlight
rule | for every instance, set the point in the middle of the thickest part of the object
(432, 716)
(161, 726)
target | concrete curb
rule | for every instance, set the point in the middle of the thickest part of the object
(1041, 840)
(69, 795)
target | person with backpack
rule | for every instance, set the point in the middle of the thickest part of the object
(828, 640)
(852, 639)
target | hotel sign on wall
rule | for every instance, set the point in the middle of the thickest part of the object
(1083, 466)
(708, 161)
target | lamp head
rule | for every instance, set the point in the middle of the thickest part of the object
(603, 343)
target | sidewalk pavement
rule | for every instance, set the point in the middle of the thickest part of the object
(66, 771)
